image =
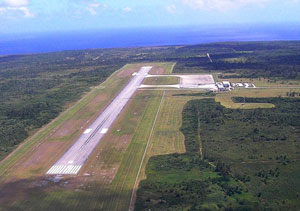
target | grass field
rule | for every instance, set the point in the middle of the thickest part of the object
(161, 81)
(225, 98)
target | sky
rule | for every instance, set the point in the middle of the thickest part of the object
(24, 16)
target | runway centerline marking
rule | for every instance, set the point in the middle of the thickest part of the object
(87, 131)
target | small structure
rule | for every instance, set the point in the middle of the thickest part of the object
(226, 84)
(220, 86)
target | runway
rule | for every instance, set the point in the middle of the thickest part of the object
(74, 158)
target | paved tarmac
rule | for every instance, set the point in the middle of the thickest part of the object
(73, 159)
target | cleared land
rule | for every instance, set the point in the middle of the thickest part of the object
(161, 81)
(226, 98)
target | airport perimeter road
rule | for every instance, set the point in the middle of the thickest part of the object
(77, 154)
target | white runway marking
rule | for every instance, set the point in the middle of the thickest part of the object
(104, 130)
(61, 169)
(87, 131)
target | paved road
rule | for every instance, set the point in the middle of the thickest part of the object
(77, 154)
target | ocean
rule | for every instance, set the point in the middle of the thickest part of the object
(137, 37)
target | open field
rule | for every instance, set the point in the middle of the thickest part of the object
(161, 81)
(225, 98)
(162, 68)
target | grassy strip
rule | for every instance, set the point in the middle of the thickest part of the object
(170, 68)
(161, 81)
(228, 103)
(124, 180)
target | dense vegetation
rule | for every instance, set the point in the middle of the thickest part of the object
(35, 88)
(248, 60)
(259, 148)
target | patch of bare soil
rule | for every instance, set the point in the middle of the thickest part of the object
(107, 174)
(66, 129)
(157, 70)
(39, 158)
(18, 190)
(129, 71)
(123, 142)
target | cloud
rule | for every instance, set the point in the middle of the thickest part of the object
(92, 8)
(14, 7)
(14, 3)
(127, 9)
(171, 8)
(223, 5)
(94, 5)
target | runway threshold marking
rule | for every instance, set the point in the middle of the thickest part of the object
(64, 169)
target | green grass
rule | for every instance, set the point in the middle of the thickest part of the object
(125, 177)
(226, 101)
(169, 68)
(161, 81)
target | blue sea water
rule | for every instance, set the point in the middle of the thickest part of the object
(75, 40)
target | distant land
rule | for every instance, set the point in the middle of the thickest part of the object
(114, 38)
